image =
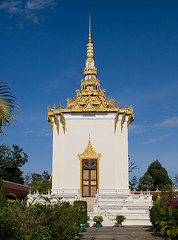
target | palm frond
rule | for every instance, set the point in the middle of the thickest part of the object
(8, 106)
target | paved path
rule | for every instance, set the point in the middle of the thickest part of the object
(119, 233)
(90, 203)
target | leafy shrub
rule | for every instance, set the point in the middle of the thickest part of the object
(164, 217)
(98, 219)
(120, 218)
(82, 207)
(40, 222)
(172, 202)
(155, 211)
(169, 222)
(154, 198)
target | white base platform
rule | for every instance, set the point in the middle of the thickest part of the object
(133, 206)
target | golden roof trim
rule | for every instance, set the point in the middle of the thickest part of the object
(55, 112)
(89, 152)
(52, 112)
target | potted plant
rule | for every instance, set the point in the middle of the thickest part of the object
(98, 220)
(82, 228)
(120, 219)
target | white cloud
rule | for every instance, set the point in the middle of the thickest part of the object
(157, 139)
(39, 4)
(40, 133)
(170, 122)
(136, 128)
(28, 9)
(169, 108)
(45, 133)
(12, 6)
(27, 133)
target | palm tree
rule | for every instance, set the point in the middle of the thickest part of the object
(7, 106)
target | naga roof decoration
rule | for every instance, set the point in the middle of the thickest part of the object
(90, 98)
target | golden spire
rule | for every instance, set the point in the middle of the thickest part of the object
(89, 35)
(89, 45)
(90, 71)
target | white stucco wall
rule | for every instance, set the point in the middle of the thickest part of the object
(113, 145)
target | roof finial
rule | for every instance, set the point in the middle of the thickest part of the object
(89, 36)
(90, 71)
(89, 45)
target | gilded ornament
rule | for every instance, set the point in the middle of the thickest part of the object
(128, 121)
(57, 122)
(89, 152)
(130, 108)
(51, 121)
(122, 121)
(63, 121)
(115, 120)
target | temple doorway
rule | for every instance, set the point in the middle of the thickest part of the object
(89, 177)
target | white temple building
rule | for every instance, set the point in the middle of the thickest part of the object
(90, 140)
(90, 152)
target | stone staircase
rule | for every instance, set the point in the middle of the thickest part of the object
(90, 202)
(134, 207)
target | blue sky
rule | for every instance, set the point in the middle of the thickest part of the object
(42, 56)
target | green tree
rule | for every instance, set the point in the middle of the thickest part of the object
(11, 160)
(132, 165)
(159, 177)
(146, 182)
(40, 182)
(39, 177)
(7, 106)
(176, 181)
(133, 183)
(2, 195)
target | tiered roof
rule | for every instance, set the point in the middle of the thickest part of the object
(90, 98)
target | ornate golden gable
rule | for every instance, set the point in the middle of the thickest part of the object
(89, 152)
